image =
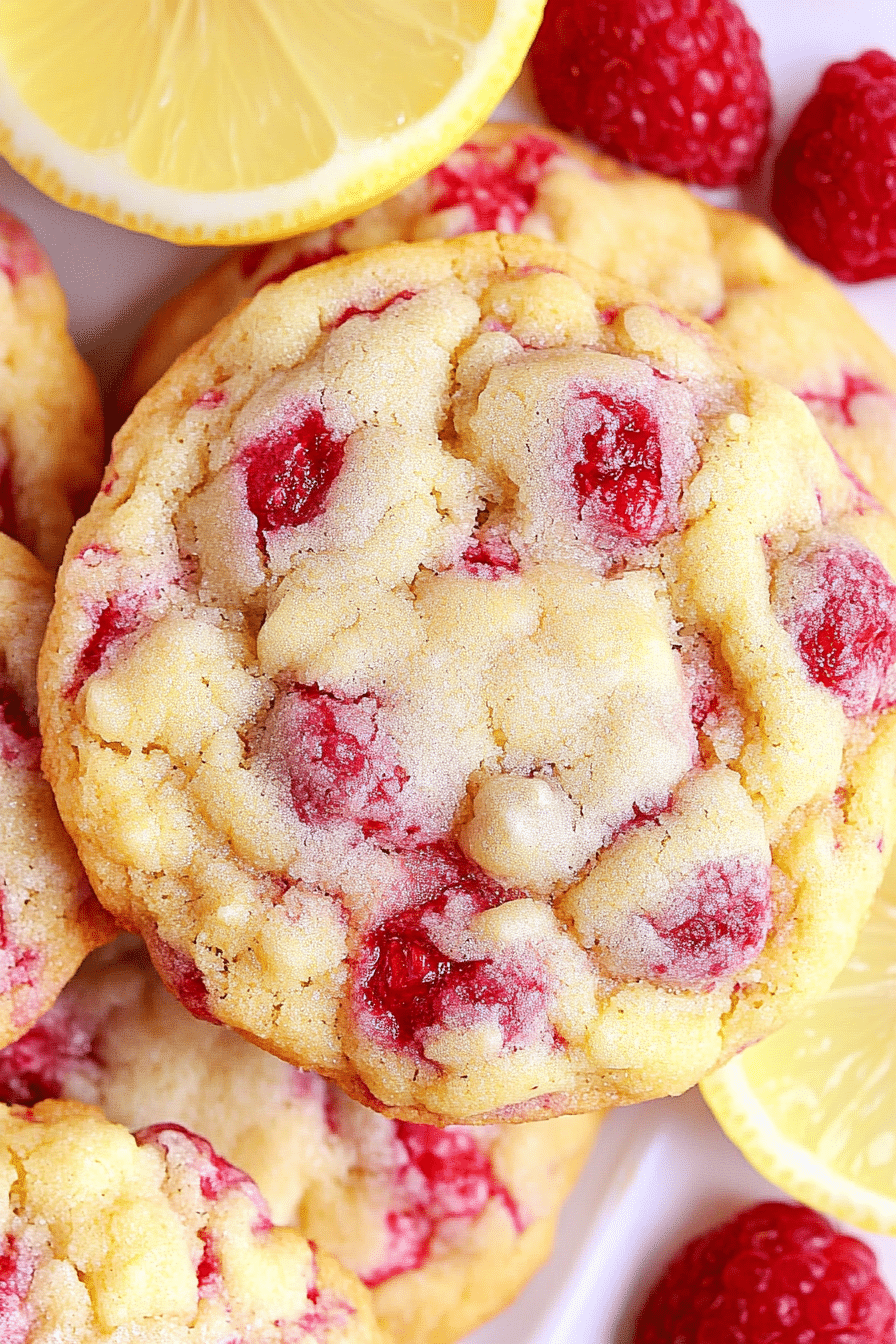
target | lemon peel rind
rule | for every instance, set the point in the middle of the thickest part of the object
(354, 179)
(788, 1164)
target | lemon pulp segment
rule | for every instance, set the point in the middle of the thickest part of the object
(213, 95)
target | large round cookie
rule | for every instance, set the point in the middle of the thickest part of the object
(49, 918)
(51, 429)
(785, 319)
(476, 688)
(114, 1238)
(444, 1225)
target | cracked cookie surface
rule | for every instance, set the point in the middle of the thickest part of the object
(443, 1225)
(438, 686)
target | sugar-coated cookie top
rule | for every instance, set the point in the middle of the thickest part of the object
(110, 1236)
(442, 685)
(51, 431)
(443, 1224)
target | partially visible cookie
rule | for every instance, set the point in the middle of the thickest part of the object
(110, 1237)
(477, 688)
(51, 431)
(784, 319)
(515, 179)
(49, 917)
(788, 321)
(445, 1225)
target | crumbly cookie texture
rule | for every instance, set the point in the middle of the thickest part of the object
(49, 917)
(149, 1237)
(443, 1225)
(784, 319)
(51, 429)
(442, 685)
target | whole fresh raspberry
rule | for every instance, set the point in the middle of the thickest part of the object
(835, 185)
(775, 1274)
(676, 86)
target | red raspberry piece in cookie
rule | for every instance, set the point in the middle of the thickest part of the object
(717, 922)
(42, 1062)
(406, 983)
(774, 1272)
(112, 622)
(490, 555)
(342, 766)
(492, 190)
(624, 485)
(834, 191)
(441, 1175)
(677, 87)
(17, 1266)
(839, 604)
(290, 469)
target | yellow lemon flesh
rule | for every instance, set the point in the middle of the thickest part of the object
(813, 1107)
(239, 120)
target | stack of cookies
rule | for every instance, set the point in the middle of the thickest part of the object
(474, 683)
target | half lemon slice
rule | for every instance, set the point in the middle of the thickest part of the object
(813, 1107)
(218, 121)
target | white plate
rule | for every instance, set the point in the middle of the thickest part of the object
(663, 1171)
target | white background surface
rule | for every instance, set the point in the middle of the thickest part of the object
(663, 1171)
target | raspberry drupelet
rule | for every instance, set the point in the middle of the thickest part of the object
(476, 715)
(443, 1225)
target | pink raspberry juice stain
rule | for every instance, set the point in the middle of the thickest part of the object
(439, 1175)
(405, 985)
(19, 253)
(36, 1066)
(216, 1175)
(718, 920)
(843, 622)
(838, 406)
(343, 766)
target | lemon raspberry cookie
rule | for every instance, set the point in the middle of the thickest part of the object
(784, 319)
(477, 688)
(110, 1236)
(444, 1225)
(51, 436)
(49, 918)
(515, 179)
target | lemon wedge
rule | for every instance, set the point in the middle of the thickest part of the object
(219, 121)
(813, 1107)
